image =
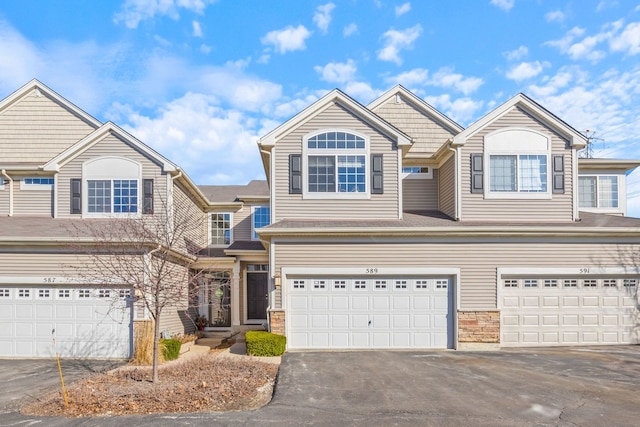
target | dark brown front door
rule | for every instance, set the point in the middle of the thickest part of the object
(257, 285)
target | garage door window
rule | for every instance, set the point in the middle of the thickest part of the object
(380, 285)
(319, 284)
(630, 283)
(550, 283)
(530, 283)
(590, 283)
(610, 283)
(340, 284)
(422, 284)
(510, 283)
(64, 294)
(360, 284)
(570, 283)
(44, 293)
(24, 293)
(5, 293)
(442, 284)
(400, 284)
(84, 293)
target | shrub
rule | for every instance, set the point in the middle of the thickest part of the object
(171, 349)
(185, 338)
(263, 343)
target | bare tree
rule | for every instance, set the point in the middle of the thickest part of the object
(149, 254)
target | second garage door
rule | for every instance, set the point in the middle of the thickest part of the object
(369, 313)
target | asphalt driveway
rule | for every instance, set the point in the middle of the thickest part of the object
(524, 387)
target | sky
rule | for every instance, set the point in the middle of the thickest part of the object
(201, 80)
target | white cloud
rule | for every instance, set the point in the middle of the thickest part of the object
(204, 48)
(337, 72)
(628, 41)
(195, 127)
(350, 29)
(411, 78)
(446, 78)
(402, 9)
(197, 29)
(395, 41)
(460, 110)
(555, 16)
(322, 16)
(503, 4)
(565, 43)
(526, 70)
(361, 91)
(519, 53)
(288, 39)
(133, 12)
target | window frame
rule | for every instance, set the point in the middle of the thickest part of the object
(335, 153)
(112, 169)
(38, 186)
(254, 235)
(620, 199)
(517, 142)
(211, 243)
(428, 174)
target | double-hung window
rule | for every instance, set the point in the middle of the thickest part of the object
(112, 196)
(221, 228)
(261, 217)
(598, 191)
(336, 163)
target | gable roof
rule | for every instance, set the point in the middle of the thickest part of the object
(576, 139)
(417, 102)
(335, 96)
(36, 85)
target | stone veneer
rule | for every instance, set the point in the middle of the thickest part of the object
(478, 329)
(277, 321)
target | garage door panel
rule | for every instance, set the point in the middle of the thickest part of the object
(319, 302)
(24, 330)
(578, 312)
(299, 302)
(380, 313)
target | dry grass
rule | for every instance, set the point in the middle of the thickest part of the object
(143, 345)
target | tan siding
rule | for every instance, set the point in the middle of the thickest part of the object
(420, 194)
(294, 206)
(475, 207)
(36, 128)
(427, 133)
(447, 187)
(31, 202)
(4, 199)
(190, 222)
(40, 264)
(173, 319)
(478, 262)
(242, 224)
(110, 146)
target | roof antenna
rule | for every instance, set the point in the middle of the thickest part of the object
(588, 150)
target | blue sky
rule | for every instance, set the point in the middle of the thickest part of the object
(201, 80)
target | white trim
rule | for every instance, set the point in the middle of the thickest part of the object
(209, 228)
(586, 270)
(458, 183)
(622, 195)
(416, 175)
(400, 185)
(335, 152)
(36, 187)
(245, 295)
(574, 181)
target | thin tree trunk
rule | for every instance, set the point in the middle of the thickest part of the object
(156, 345)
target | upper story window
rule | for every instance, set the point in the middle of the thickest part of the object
(417, 172)
(261, 217)
(335, 165)
(221, 229)
(36, 183)
(111, 186)
(598, 191)
(517, 163)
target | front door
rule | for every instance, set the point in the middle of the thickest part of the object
(257, 295)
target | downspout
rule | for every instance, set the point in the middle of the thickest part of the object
(170, 205)
(456, 179)
(272, 211)
(4, 173)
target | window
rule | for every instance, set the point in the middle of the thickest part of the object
(610, 283)
(64, 293)
(518, 173)
(112, 196)
(36, 183)
(220, 229)
(510, 283)
(598, 191)
(570, 283)
(417, 172)
(336, 163)
(550, 283)
(530, 283)
(261, 217)
(516, 163)
(5, 293)
(44, 293)
(589, 283)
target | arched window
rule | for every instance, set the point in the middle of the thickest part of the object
(111, 186)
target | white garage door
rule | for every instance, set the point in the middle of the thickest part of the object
(369, 313)
(87, 323)
(570, 311)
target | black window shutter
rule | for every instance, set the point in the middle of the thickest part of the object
(477, 173)
(147, 203)
(295, 174)
(558, 174)
(376, 174)
(76, 196)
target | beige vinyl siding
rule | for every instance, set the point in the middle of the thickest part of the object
(190, 222)
(476, 208)
(174, 319)
(427, 133)
(31, 202)
(447, 187)
(45, 264)
(242, 224)
(4, 199)
(295, 206)
(420, 194)
(478, 262)
(110, 145)
(36, 128)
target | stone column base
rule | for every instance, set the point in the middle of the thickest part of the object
(478, 330)
(276, 321)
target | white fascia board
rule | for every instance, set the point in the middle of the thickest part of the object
(36, 84)
(576, 139)
(586, 270)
